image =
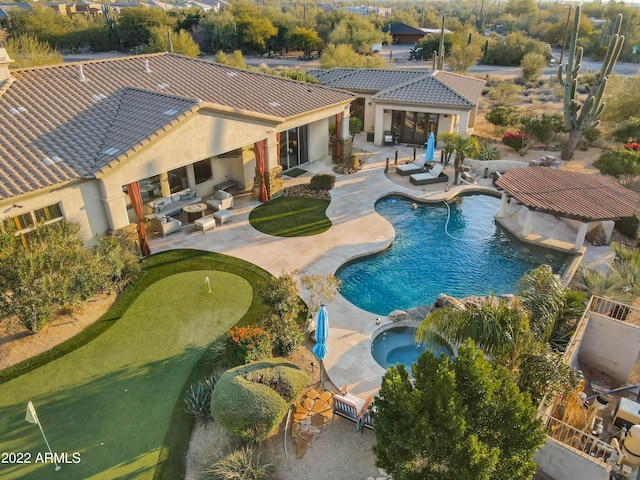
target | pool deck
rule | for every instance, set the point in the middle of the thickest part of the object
(357, 230)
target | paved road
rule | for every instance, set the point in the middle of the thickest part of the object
(399, 56)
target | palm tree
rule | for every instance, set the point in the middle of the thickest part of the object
(465, 148)
(449, 139)
(518, 333)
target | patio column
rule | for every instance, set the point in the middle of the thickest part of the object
(582, 232)
(165, 189)
(378, 136)
(502, 212)
(528, 224)
(114, 205)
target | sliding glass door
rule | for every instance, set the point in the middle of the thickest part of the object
(294, 147)
(414, 127)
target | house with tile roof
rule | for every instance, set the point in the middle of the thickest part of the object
(409, 104)
(74, 135)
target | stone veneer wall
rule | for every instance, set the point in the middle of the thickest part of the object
(274, 180)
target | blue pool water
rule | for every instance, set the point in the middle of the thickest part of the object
(475, 258)
(397, 345)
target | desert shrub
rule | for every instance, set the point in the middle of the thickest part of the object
(215, 352)
(246, 463)
(323, 181)
(505, 93)
(543, 129)
(502, 116)
(198, 398)
(629, 131)
(592, 134)
(489, 152)
(355, 125)
(517, 140)
(622, 165)
(628, 226)
(286, 335)
(532, 65)
(250, 401)
(247, 344)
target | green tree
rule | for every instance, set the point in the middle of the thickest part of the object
(305, 39)
(510, 50)
(532, 65)
(465, 51)
(449, 139)
(460, 418)
(220, 31)
(181, 42)
(502, 117)
(356, 31)
(254, 28)
(520, 7)
(134, 24)
(28, 51)
(234, 60)
(344, 56)
(622, 165)
(281, 295)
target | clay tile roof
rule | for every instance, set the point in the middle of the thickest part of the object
(576, 195)
(56, 127)
(363, 79)
(437, 88)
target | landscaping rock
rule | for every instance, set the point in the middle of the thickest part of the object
(398, 316)
(301, 447)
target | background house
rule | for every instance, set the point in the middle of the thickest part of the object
(410, 104)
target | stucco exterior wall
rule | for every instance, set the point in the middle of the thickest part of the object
(611, 345)
(560, 463)
(81, 203)
(478, 166)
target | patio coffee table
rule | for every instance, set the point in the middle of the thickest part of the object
(222, 215)
(194, 211)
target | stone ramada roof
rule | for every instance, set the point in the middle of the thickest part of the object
(436, 88)
(70, 121)
(577, 195)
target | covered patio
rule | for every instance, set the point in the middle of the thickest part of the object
(583, 201)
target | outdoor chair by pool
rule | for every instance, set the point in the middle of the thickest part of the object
(414, 167)
(436, 175)
(354, 409)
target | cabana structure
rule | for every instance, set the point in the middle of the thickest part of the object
(582, 200)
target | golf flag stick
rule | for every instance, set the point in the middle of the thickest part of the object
(32, 417)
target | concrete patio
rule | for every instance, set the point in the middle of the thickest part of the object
(357, 230)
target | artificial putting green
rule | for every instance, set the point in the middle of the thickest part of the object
(120, 389)
(291, 217)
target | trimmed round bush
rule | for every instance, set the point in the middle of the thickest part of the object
(628, 226)
(250, 401)
(322, 181)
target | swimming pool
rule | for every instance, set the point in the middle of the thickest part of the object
(397, 345)
(473, 257)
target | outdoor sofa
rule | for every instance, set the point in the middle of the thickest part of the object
(172, 205)
(354, 409)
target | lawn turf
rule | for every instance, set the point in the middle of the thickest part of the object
(121, 388)
(291, 217)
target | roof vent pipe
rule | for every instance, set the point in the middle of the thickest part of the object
(146, 66)
(82, 77)
(5, 61)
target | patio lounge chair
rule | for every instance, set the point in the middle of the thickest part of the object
(436, 175)
(415, 167)
(354, 409)
(221, 201)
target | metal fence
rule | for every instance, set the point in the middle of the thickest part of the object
(581, 442)
(614, 310)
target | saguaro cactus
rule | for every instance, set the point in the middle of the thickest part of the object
(441, 46)
(579, 117)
